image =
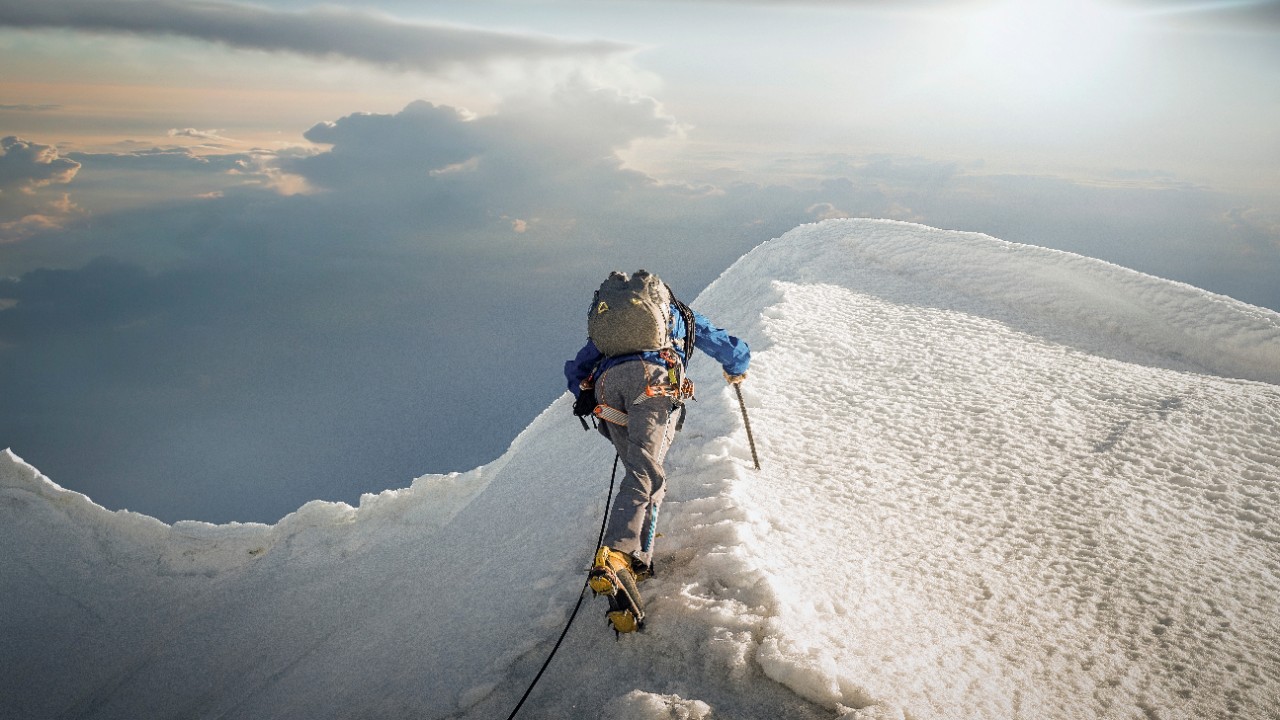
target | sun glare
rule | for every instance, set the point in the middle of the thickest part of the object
(1042, 49)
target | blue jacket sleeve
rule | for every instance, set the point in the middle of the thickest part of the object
(581, 366)
(732, 353)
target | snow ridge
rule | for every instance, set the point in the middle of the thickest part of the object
(983, 520)
(998, 481)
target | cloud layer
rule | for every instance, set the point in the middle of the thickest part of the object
(320, 337)
(26, 170)
(322, 32)
(25, 166)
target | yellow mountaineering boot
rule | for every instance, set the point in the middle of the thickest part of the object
(623, 621)
(604, 571)
(611, 575)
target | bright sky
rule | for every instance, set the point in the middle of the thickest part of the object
(1056, 85)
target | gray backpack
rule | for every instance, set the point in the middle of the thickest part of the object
(630, 314)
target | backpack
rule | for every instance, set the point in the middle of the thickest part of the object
(630, 314)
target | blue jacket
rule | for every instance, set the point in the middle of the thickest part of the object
(731, 352)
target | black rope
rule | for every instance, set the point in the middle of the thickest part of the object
(581, 594)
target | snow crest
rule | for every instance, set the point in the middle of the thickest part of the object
(998, 481)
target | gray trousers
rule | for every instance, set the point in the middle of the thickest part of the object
(642, 446)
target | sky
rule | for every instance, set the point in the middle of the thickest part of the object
(344, 245)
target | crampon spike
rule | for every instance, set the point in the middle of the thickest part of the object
(623, 621)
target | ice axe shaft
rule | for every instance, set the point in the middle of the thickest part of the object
(746, 421)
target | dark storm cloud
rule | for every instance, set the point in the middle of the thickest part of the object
(321, 32)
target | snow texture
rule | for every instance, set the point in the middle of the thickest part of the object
(998, 481)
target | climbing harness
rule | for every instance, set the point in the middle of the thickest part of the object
(677, 390)
(581, 594)
(679, 386)
(611, 414)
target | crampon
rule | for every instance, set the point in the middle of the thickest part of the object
(611, 576)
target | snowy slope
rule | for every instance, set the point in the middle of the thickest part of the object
(999, 481)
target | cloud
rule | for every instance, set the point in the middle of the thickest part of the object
(1259, 228)
(26, 169)
(110, 181)
(53, 216)
(554, 158)
(158, 159)
(916, 171)
(367, 148)
(25, 165)
(825, 211)
(194, 134)
(32, 203)
(320, 32)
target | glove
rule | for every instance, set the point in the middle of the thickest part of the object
(586, 403)
(735, 379)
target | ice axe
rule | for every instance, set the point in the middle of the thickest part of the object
(746, 421)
